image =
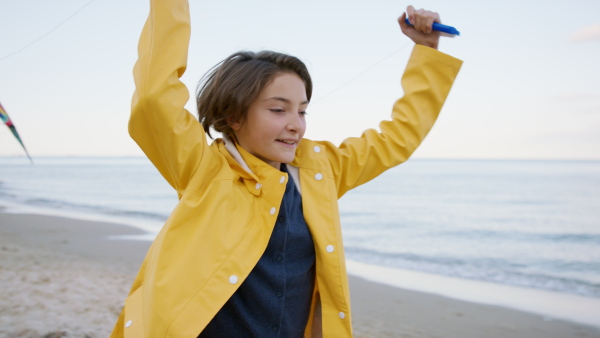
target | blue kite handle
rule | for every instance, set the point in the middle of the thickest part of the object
(441, 28)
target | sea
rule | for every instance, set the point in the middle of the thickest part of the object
(510, 228)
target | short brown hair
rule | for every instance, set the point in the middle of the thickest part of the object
(227, 90)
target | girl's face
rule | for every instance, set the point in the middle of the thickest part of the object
(275, 123)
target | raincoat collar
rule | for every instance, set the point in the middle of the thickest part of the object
(243, 160)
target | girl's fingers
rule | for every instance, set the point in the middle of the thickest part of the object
(429, 23)
(417, 23)
(410, 13)
(402, 22)
(404, 27)
(420, 30)
(421, 19)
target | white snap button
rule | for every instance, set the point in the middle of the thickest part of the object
(272, 211)
(128, 324)
(282, 179)
(233, 279)
(258, 186)
(342, 315)
(329, 248)
(318, 176)
(317, 149)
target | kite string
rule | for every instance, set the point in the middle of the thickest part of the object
(48, 32)
(360, 74)
(320, 99)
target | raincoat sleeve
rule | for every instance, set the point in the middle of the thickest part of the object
(426, 82)
(171, 137)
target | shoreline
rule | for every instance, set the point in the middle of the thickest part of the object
(551, 305)
(72, 268)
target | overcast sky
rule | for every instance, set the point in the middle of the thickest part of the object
(529, 87)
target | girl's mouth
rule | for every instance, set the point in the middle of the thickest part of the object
(287, 142)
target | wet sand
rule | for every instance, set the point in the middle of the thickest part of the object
(66, 277)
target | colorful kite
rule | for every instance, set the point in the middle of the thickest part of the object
(10, 125)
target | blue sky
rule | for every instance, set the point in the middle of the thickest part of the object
(529, 87)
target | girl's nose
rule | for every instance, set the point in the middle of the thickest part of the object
(296, 123)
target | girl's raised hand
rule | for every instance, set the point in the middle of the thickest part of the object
(420, 32)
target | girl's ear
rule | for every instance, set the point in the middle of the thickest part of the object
(235, 125)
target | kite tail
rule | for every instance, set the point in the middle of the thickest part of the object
(14, 131)
(4, 117)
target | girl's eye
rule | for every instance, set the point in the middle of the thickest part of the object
(303, 113)
(276, 110)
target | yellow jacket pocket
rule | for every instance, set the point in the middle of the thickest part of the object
(134, 322)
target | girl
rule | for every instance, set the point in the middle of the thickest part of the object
(254, 247)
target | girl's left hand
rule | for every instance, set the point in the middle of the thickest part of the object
(420, 32)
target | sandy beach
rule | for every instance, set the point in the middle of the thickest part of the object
(64, 277)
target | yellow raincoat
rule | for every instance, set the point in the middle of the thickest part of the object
(229, 199)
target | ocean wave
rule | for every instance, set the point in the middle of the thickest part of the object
(523, 236)
(70, 206)
(488, 269)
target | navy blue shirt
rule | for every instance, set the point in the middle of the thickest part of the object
(274, 301)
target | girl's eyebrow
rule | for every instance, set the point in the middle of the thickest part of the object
(284, 100)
